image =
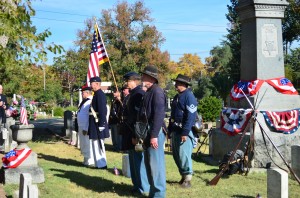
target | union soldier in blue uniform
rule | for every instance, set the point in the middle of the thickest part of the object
(115, 117)
(98, 127)
(136, 158)
(152, 112)
(183, 115)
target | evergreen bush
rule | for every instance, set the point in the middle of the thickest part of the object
(210, 108)
(58, 111)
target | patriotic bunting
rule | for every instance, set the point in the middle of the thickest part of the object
(283, 85)
(249, 88)
(284, 121)
(234, 120)
(15, 157)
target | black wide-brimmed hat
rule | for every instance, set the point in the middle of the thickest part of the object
(151, 71)
(183, 79)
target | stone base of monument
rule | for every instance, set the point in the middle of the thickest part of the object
(268, 99)
(223, 143)
(29, 165)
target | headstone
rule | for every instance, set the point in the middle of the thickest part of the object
(22, 134)
(262, 58)
(68, 122)
(33, 191)
(25, 180)
(11, 144)
(277, 183)
(73, 140)
(29, 165)
(295, 162)
(125, 166)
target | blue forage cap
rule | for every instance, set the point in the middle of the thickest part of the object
(95, 79)
(132, 76)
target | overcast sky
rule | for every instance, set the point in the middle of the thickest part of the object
(190, 26)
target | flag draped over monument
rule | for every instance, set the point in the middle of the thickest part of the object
(98, 55)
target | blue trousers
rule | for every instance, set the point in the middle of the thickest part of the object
(156, 168)
(182, 153)
(116, 137)
(138, 171)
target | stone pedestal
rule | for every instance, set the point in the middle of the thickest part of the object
(268, 99)
(22, 134)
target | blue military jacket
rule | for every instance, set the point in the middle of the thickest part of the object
(183, 112)
(153, 106)
(99, 105)
(130, 115)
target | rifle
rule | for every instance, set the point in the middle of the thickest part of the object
(265, 133)
(216, 179)
(208, 135)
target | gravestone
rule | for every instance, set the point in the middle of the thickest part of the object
(26, 188)
(68, 123)
(262, 58)
(22, 134)
(277, 183)
(295, 162)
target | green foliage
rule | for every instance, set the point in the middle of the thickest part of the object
(234, 41)
(205, 88)
(223, 83)
(291, 24)
(58, 111)
(210, 108)
(71, 108)
(292, 67)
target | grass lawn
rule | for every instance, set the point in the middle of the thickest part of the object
(66, 177)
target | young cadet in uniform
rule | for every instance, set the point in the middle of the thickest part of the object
(98, 127)
(152, 111)
(83, 125)
(183, 115)
(136, 158)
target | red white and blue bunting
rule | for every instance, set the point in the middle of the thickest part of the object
(234, 120)
(249, 88)
(284, 121)
(15, 157)
(282, 85)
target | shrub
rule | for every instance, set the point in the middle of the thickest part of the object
(210, 108)
(58, 111)
(71, 108)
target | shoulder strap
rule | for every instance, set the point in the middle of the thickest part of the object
(94, 114)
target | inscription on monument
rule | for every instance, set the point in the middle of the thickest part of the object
(269, 40)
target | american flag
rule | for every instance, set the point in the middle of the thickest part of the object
(23, 114)
(15, 157)
(98, 55)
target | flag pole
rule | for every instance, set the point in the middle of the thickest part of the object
(112, 71)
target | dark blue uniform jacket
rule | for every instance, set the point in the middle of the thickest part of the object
(183, 112)
(131, 111)
(99, 105)
(154, 105)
